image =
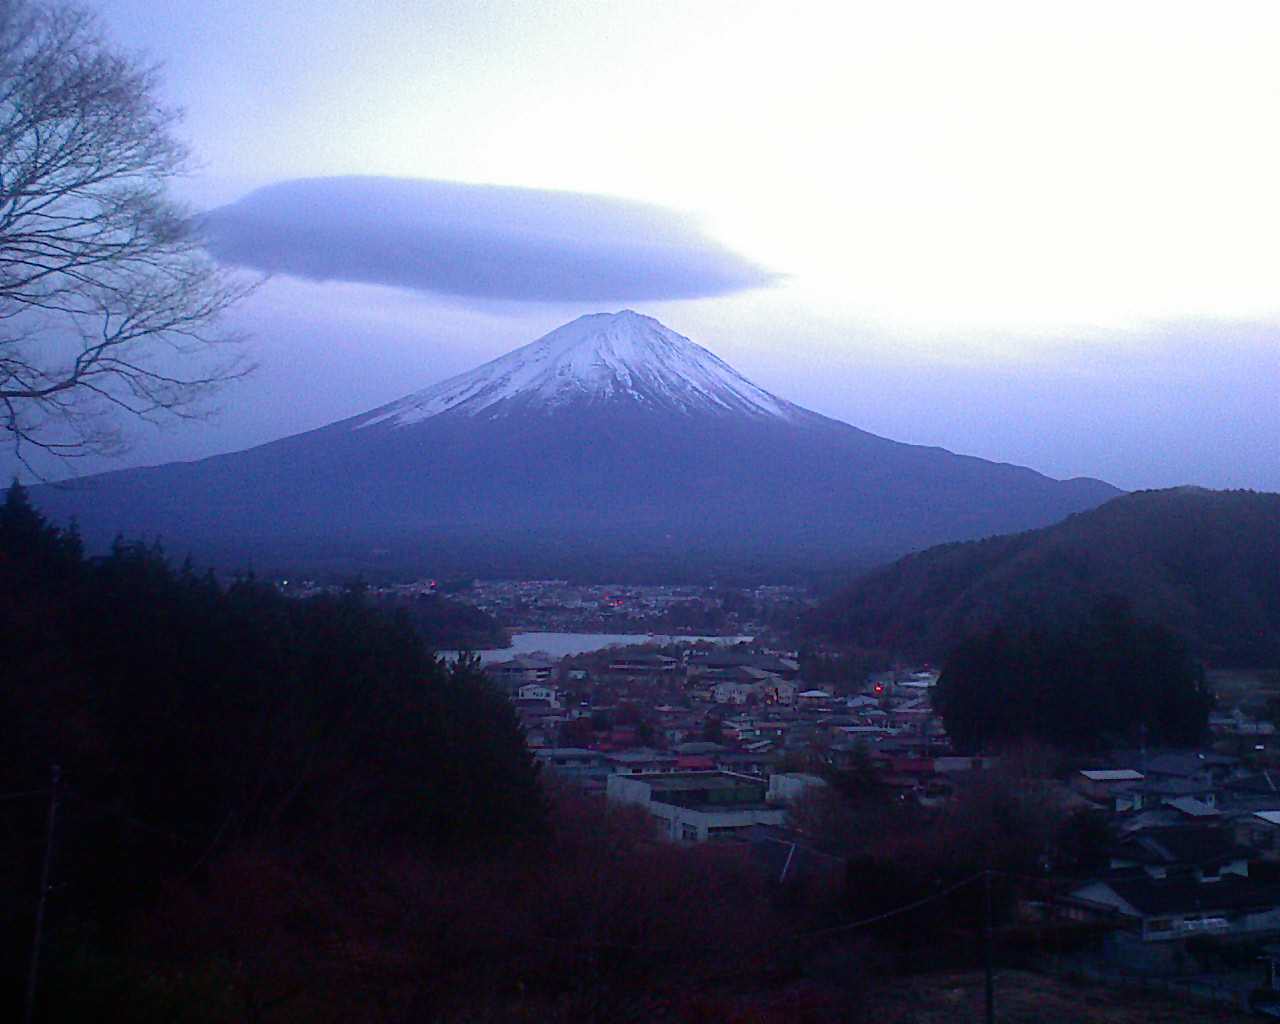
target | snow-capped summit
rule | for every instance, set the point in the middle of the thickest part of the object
(611, 447)
(598, 358)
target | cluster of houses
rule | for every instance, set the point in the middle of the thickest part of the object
(755, 698)
(1195, 853)
(715, 742)
(720, 744)
(558, 605)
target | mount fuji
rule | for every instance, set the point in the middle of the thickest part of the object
(597, 360)
(612, 445)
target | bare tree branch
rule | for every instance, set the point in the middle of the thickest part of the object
(108, 302)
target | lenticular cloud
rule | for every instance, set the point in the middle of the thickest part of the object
(479, 241)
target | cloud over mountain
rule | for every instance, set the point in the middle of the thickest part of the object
(478, 241)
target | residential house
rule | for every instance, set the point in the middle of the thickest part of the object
(573, 763)
(1196, 766)
(643, 664)
(717, 665)
(640, 762)
(1260, 831)
(1155, 791)
(1202, 852)
(1101, 784)
(510, 675)
(700, 747)
(911, 714)
(1170, 884)
(1167, 910)
(747, 762)
(697, 806)
(540, 691)
(734, 692)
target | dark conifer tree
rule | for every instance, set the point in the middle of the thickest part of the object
(1109, 681)
(193, 721)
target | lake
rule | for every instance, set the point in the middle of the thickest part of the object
(559, 645)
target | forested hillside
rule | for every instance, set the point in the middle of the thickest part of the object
(1109, 681)
(201, 731)
(443, 624)
(1205, 564)
(287, 811)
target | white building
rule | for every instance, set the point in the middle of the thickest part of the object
(735, 693)
(696, 806)
(540, 691)
(787, 787)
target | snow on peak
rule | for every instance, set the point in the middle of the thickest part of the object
(596, 358)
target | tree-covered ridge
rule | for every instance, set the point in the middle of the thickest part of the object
(1111, 681)
(193, 722)
(1203, 563)
(282, 810)
(204, 705)
(444, 624)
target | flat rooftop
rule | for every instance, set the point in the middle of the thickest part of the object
(678, 782)
(1112, 775)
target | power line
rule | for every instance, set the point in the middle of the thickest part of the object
(895, 912)
(794, 936)
(630, 947)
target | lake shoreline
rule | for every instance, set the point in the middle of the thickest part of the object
(558, 645)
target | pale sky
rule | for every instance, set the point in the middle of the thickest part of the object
(1040, 233)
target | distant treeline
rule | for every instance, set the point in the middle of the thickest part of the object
(1110, 681)
(1205, 564)
(603, 557)
(445, 625)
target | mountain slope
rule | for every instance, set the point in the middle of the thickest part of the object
(1205, 563)
(612, 445)
(595, 359)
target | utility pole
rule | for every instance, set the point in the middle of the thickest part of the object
(55, 776)
(991, 985)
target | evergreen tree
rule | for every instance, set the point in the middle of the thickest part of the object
(1108, 681)
(192, 722)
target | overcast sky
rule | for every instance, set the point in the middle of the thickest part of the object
(1039, 233)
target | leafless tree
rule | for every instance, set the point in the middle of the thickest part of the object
(108, 302)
